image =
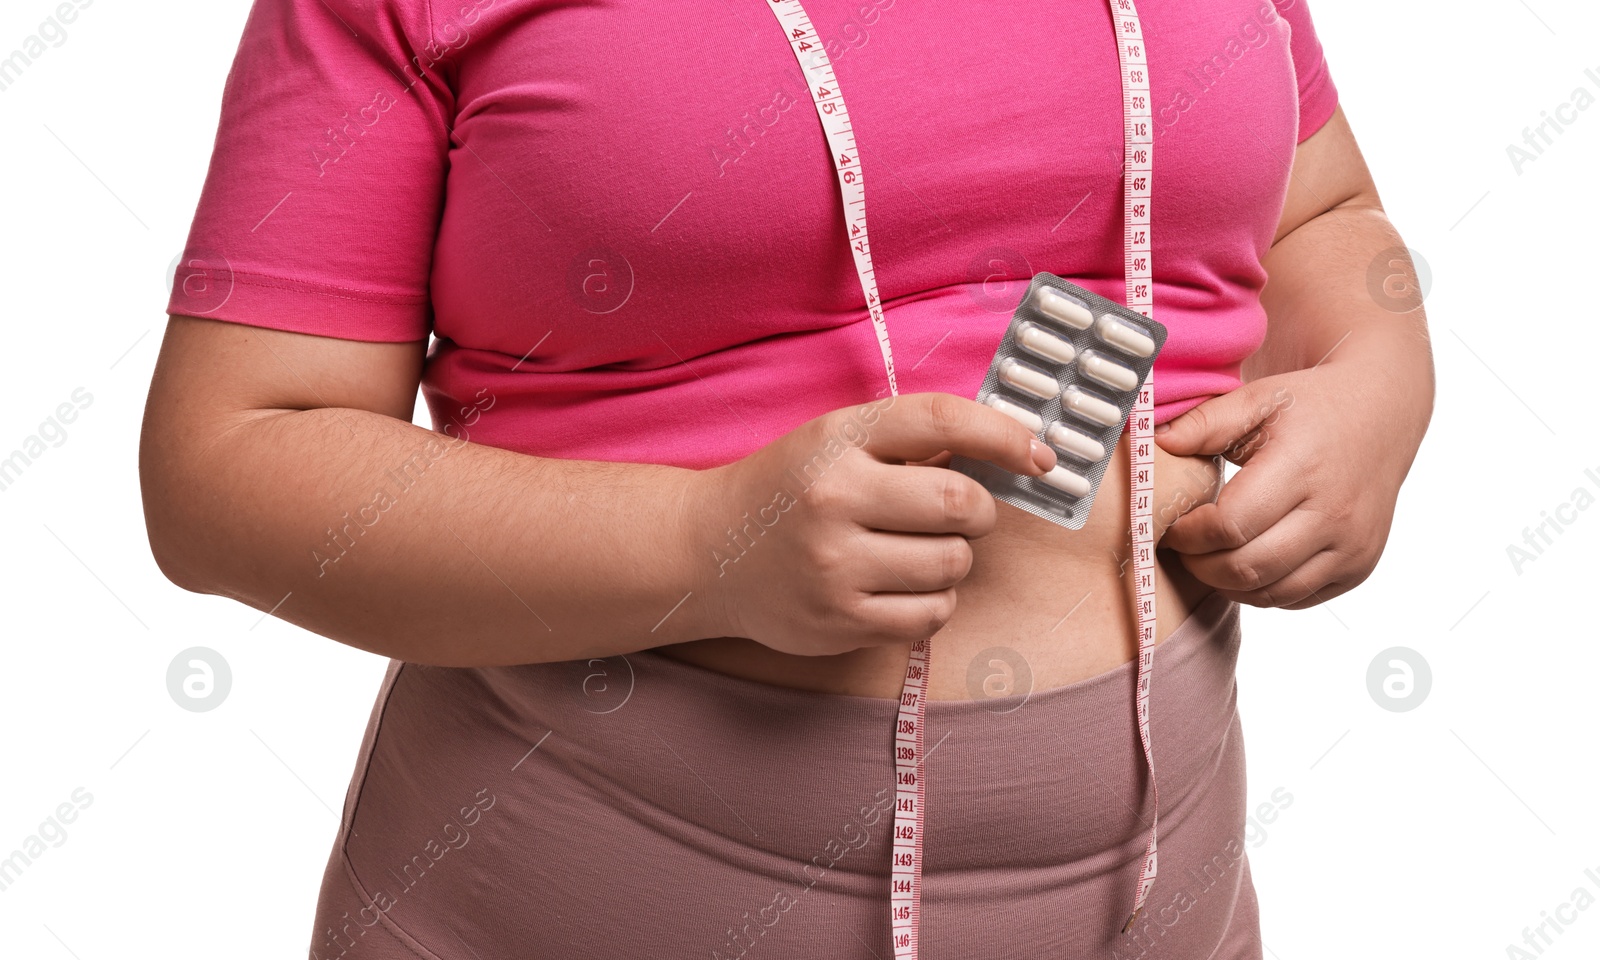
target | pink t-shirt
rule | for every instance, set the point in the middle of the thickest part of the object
(621, 223)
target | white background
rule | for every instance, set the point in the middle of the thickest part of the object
(1442, 831)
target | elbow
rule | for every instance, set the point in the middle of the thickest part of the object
(167, 549)
(165, 521)
(172, 565)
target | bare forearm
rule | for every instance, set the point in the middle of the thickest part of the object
(392, 538)
(1322, 310)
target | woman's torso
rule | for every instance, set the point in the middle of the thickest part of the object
(642, 256)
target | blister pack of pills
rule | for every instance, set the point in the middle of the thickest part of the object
(1069, 368)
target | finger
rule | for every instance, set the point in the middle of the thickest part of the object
(921, 425)
(1199, 481)
(1235, 424)
(915, 499)
(1323, 594)
(1257, 497)
(911, 562)
(904, 617)
(1275, 554)
(1308, 585)
(942, 460)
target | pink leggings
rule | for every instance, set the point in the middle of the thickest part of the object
(640, 807)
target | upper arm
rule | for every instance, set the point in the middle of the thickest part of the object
(1328, 171)
(213, 376)
(214, 371)
(305, 279)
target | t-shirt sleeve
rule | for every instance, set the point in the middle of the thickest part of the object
(322, 200)
(1318, 98)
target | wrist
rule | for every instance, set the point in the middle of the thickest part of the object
(694, 532)
(1400, 389)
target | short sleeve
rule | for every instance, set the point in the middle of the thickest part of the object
(1318, 98)
(326, 181)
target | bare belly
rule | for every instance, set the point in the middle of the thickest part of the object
(1059, 602)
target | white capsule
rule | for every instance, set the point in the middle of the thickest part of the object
(1124, 336)
(1028, 379)
(1068, 482)
(1089, 407)
(1075, 443)
(1016, 412)
(1061, 308)
(1037, 340)
(1102, 369)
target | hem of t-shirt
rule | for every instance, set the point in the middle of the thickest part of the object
(298, 306)
(1318, 101)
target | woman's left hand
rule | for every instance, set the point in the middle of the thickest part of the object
(1322, 454)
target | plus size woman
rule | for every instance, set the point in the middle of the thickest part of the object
(649, 585)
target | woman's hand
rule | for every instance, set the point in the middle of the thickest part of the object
(1322, 454)
(1335, 403)
(833, 537)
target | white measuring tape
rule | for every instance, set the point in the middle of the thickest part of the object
(1136, 169)
(905, 889)
(825, 94)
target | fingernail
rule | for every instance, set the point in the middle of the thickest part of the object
(1163, 427)
(1043, 457)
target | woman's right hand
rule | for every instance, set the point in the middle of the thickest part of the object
(840, 534)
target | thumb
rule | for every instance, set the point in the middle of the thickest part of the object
(1229, 424)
